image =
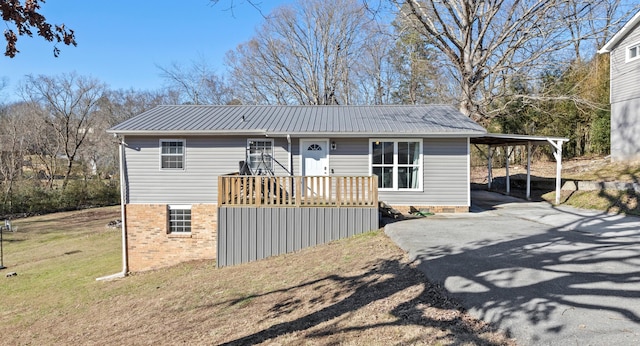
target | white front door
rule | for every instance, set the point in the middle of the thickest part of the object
(315, 160)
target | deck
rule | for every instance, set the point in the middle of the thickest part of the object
(262, 216)
(298, 191)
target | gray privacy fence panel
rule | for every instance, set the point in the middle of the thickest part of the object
(247, 233)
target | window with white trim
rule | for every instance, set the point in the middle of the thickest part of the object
(179, 219)
(397, 163)
(633, 52)
(172, 154)
(260, 155)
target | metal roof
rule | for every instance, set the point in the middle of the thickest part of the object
(503, 139)
(336, 121)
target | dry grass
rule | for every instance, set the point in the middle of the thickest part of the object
(359, 291)
(610, 201)
(604, 170)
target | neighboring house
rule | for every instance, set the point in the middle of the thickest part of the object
(173, 158)
(624, 55)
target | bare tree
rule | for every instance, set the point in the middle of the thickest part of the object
(12, 147)
(420, 77)
(373, 74)
(121, 105)
(42, 145)
(303, 54)
(490, 43)
(117, 106)
(70, 106)
(26, 18)
(197, 83)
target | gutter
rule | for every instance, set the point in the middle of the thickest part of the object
(188, 133)
(125, 264)
(458, 134)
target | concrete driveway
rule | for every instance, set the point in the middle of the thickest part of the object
(545, 275)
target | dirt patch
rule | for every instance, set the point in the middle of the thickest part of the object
(577, 168)
(543, 175)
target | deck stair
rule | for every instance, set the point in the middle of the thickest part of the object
(388, 211)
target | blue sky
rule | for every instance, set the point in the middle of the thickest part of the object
(121, 42)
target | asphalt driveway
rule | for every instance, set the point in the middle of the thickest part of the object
(546, 275)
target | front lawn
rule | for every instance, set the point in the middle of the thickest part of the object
(358, 291)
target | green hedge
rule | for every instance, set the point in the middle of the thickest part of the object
(29, 198)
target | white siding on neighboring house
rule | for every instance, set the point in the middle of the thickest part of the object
(625, 130)
(625, 99)
(625, 75)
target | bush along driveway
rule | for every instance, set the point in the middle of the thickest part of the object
(544, 274)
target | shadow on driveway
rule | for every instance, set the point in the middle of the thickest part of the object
(543, 274)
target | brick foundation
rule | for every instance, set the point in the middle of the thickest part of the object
(150, 246)
(433, 209)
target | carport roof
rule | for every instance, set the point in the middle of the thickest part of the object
(501, 139)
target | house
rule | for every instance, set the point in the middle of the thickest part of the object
(175, 160)
(624, 55)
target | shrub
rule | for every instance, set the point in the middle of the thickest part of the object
(30, 198)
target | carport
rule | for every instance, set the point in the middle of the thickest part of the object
(509, 142)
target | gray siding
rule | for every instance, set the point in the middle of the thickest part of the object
(445, 176)
(445, 181)
(445, 170)
(205, 159)
(351, 156)
(249, 234)
(625, 75)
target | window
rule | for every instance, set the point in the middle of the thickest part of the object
(260, 155)
(633, 52)
(397, 164)
(172, 154)
(179, 219)
(314, 147)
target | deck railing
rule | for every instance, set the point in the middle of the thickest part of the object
(298, 191)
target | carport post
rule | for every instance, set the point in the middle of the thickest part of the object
(489, 168)
(508, 178)
(528, 170)
(557, 153)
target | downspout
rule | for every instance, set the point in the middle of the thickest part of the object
(290, 155)
(123, 273)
